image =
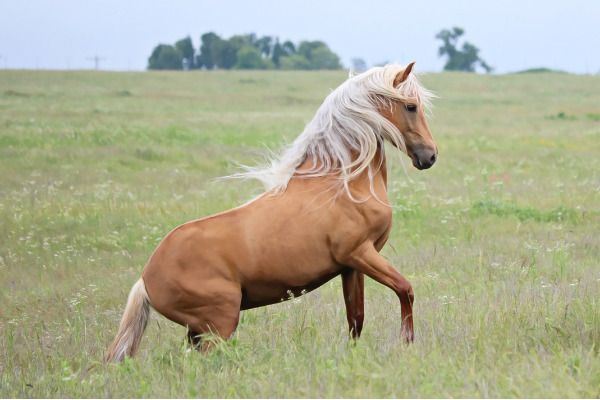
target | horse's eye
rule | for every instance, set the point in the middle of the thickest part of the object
(411, 108)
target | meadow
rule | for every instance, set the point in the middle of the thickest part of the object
(500, 239)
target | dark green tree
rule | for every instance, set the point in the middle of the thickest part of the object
(465, 59)
(278, 51)
(306, 48)
(207, 58)
(319, 55)
(288, 47)
(251, 39)
(186, 48)
(153, 59)
(165, 56)
(265, 45)
(225, 51)
(170, 58)
(323, 58)
(249, 58)
(294, 61)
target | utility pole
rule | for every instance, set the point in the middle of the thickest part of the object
(96, 61)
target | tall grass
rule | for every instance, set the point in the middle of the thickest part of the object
(499, 239)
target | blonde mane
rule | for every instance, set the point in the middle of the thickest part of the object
(345, 134)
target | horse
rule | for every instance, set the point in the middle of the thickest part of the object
(325, 213)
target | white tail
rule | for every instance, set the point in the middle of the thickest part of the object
(133, 324)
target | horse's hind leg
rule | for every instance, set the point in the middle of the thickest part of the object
(194, 339)
(353, 283)
(219, 314)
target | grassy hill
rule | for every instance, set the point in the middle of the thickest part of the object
(499, 239)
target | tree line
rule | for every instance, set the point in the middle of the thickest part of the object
(253, 52)
(243, 52)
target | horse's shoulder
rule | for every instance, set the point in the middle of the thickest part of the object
(359, 223)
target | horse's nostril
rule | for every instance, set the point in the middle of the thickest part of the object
(432, 160)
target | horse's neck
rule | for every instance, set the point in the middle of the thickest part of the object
(378, 167)
(380, 157)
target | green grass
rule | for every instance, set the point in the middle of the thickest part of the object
(499, 240)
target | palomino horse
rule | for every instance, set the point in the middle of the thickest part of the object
(325, 213)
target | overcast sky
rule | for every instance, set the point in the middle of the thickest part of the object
(511, 34)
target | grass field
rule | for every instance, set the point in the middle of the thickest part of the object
(500, 239)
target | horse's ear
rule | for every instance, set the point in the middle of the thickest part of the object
(401, 77)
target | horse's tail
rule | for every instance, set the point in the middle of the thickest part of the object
(133, 324)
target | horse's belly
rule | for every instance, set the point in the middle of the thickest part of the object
(288, 267)
(262, 293)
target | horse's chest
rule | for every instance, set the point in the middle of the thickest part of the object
(377, 219)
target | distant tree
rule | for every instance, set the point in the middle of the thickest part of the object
(251, 39)
(225, 51)
(359, 65)
(265, 45)
(222, 54)
(250, 58)
(319, 55)
(165, 56)
(269, 64)
(306, 48)
(186, 48)
(153, 59)
(323, 58)
(459, 60)
(207, 58)
(170, 58)
(294, 61)
(278, 51)
(288, 47)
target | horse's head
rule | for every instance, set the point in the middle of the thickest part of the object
(409, 117)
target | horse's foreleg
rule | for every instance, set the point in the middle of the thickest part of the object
(368, 261)
(353, 283)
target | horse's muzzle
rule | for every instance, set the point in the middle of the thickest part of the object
(424, 159)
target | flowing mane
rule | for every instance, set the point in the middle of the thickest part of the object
(345, 134)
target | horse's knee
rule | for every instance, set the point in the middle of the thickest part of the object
(405, 292)
(411, 296)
